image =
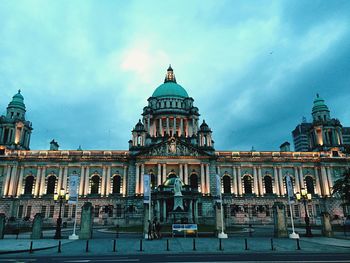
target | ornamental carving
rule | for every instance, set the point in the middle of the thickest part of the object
(172, 147)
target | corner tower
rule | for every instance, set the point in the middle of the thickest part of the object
(15, 130)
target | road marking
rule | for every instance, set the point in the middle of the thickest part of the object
(22, 260)
(102, 260)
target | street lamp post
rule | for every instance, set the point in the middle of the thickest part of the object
(60, 197)
(305, 197)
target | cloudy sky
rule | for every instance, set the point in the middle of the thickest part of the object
(86, 68)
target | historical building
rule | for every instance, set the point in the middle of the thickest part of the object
(171, 142)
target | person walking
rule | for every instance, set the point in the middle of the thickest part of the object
(158, 227)
(150, 225)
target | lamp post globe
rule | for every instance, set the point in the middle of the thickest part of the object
(60, 197)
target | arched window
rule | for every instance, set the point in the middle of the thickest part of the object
(226, 180)
(95, 184)
(139, 140)
(116, 184)
(268, 184)
(28, 185)
(248, 186)
(51, 185)
(194, 182)
(310, 185)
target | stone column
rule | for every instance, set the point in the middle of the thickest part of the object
(164, 211)
(65, 178)
(326, 225)
(148, 124)
(160, 127)
(37, 182)
(164, 173)
(318, 185)
(81, 181)
(159, 176)
(2, 225)
(167, 126)
(174, 126)
(275, 175)
(42, 182)
(20, 182)
(103, 182)
(108, 181)
(12, 182)
(181, 173)
(202, 179)
(329, 178)
(297, 180)
(234, 179)
(158, 210)
(137, 181)
(196, 211)
(186, 173)
(142, 174)
(124, 180)
(255, 178)
(281, 181)
(239, 181)
(324, 181)
(60, 178)
(301, 175)
(37, 225)
(279, 216)
(207, 183)
(261, 190)
(7, 180)
(181, 126)
(87, 181)
(86, 221)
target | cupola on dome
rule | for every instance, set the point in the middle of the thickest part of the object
(170, 88)
(17, 101)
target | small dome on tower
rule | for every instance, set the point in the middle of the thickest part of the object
(139, 126)
(204, 127)
(17, 101)
(319, 105)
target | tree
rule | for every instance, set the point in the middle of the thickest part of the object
(341, 187)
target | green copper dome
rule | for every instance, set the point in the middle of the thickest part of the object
(17, 101)
(170, 89)
(319, 105)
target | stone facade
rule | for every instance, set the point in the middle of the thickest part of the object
(168, 142)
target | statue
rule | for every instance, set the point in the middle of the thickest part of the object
(177, 187)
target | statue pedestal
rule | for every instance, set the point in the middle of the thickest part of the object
(178, 203)
(326, 225)
(280, 223)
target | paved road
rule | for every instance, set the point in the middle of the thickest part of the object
(183, 257)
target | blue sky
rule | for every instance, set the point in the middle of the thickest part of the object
(86, 68)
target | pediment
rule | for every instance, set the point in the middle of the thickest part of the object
(173, 147)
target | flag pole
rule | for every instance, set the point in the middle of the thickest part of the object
(74, 236)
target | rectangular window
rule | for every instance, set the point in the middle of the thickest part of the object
(118, 210)
(51, 211)
(29, 211)
(43, 211)
(200, 209)
(310, 211)
(65, 211)
(296, 211)
(96, 210)
(20, 211)
(74, 207)
(318, 210)
(268, 211)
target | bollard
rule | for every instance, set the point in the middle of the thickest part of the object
(31, 247)
(298, 244)
(220, 245)
(114, 245)
(140, 245)
(87, 246)
(246, 244)
(59, 247)
(167, 245)
(272, 248)
(194, 244)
